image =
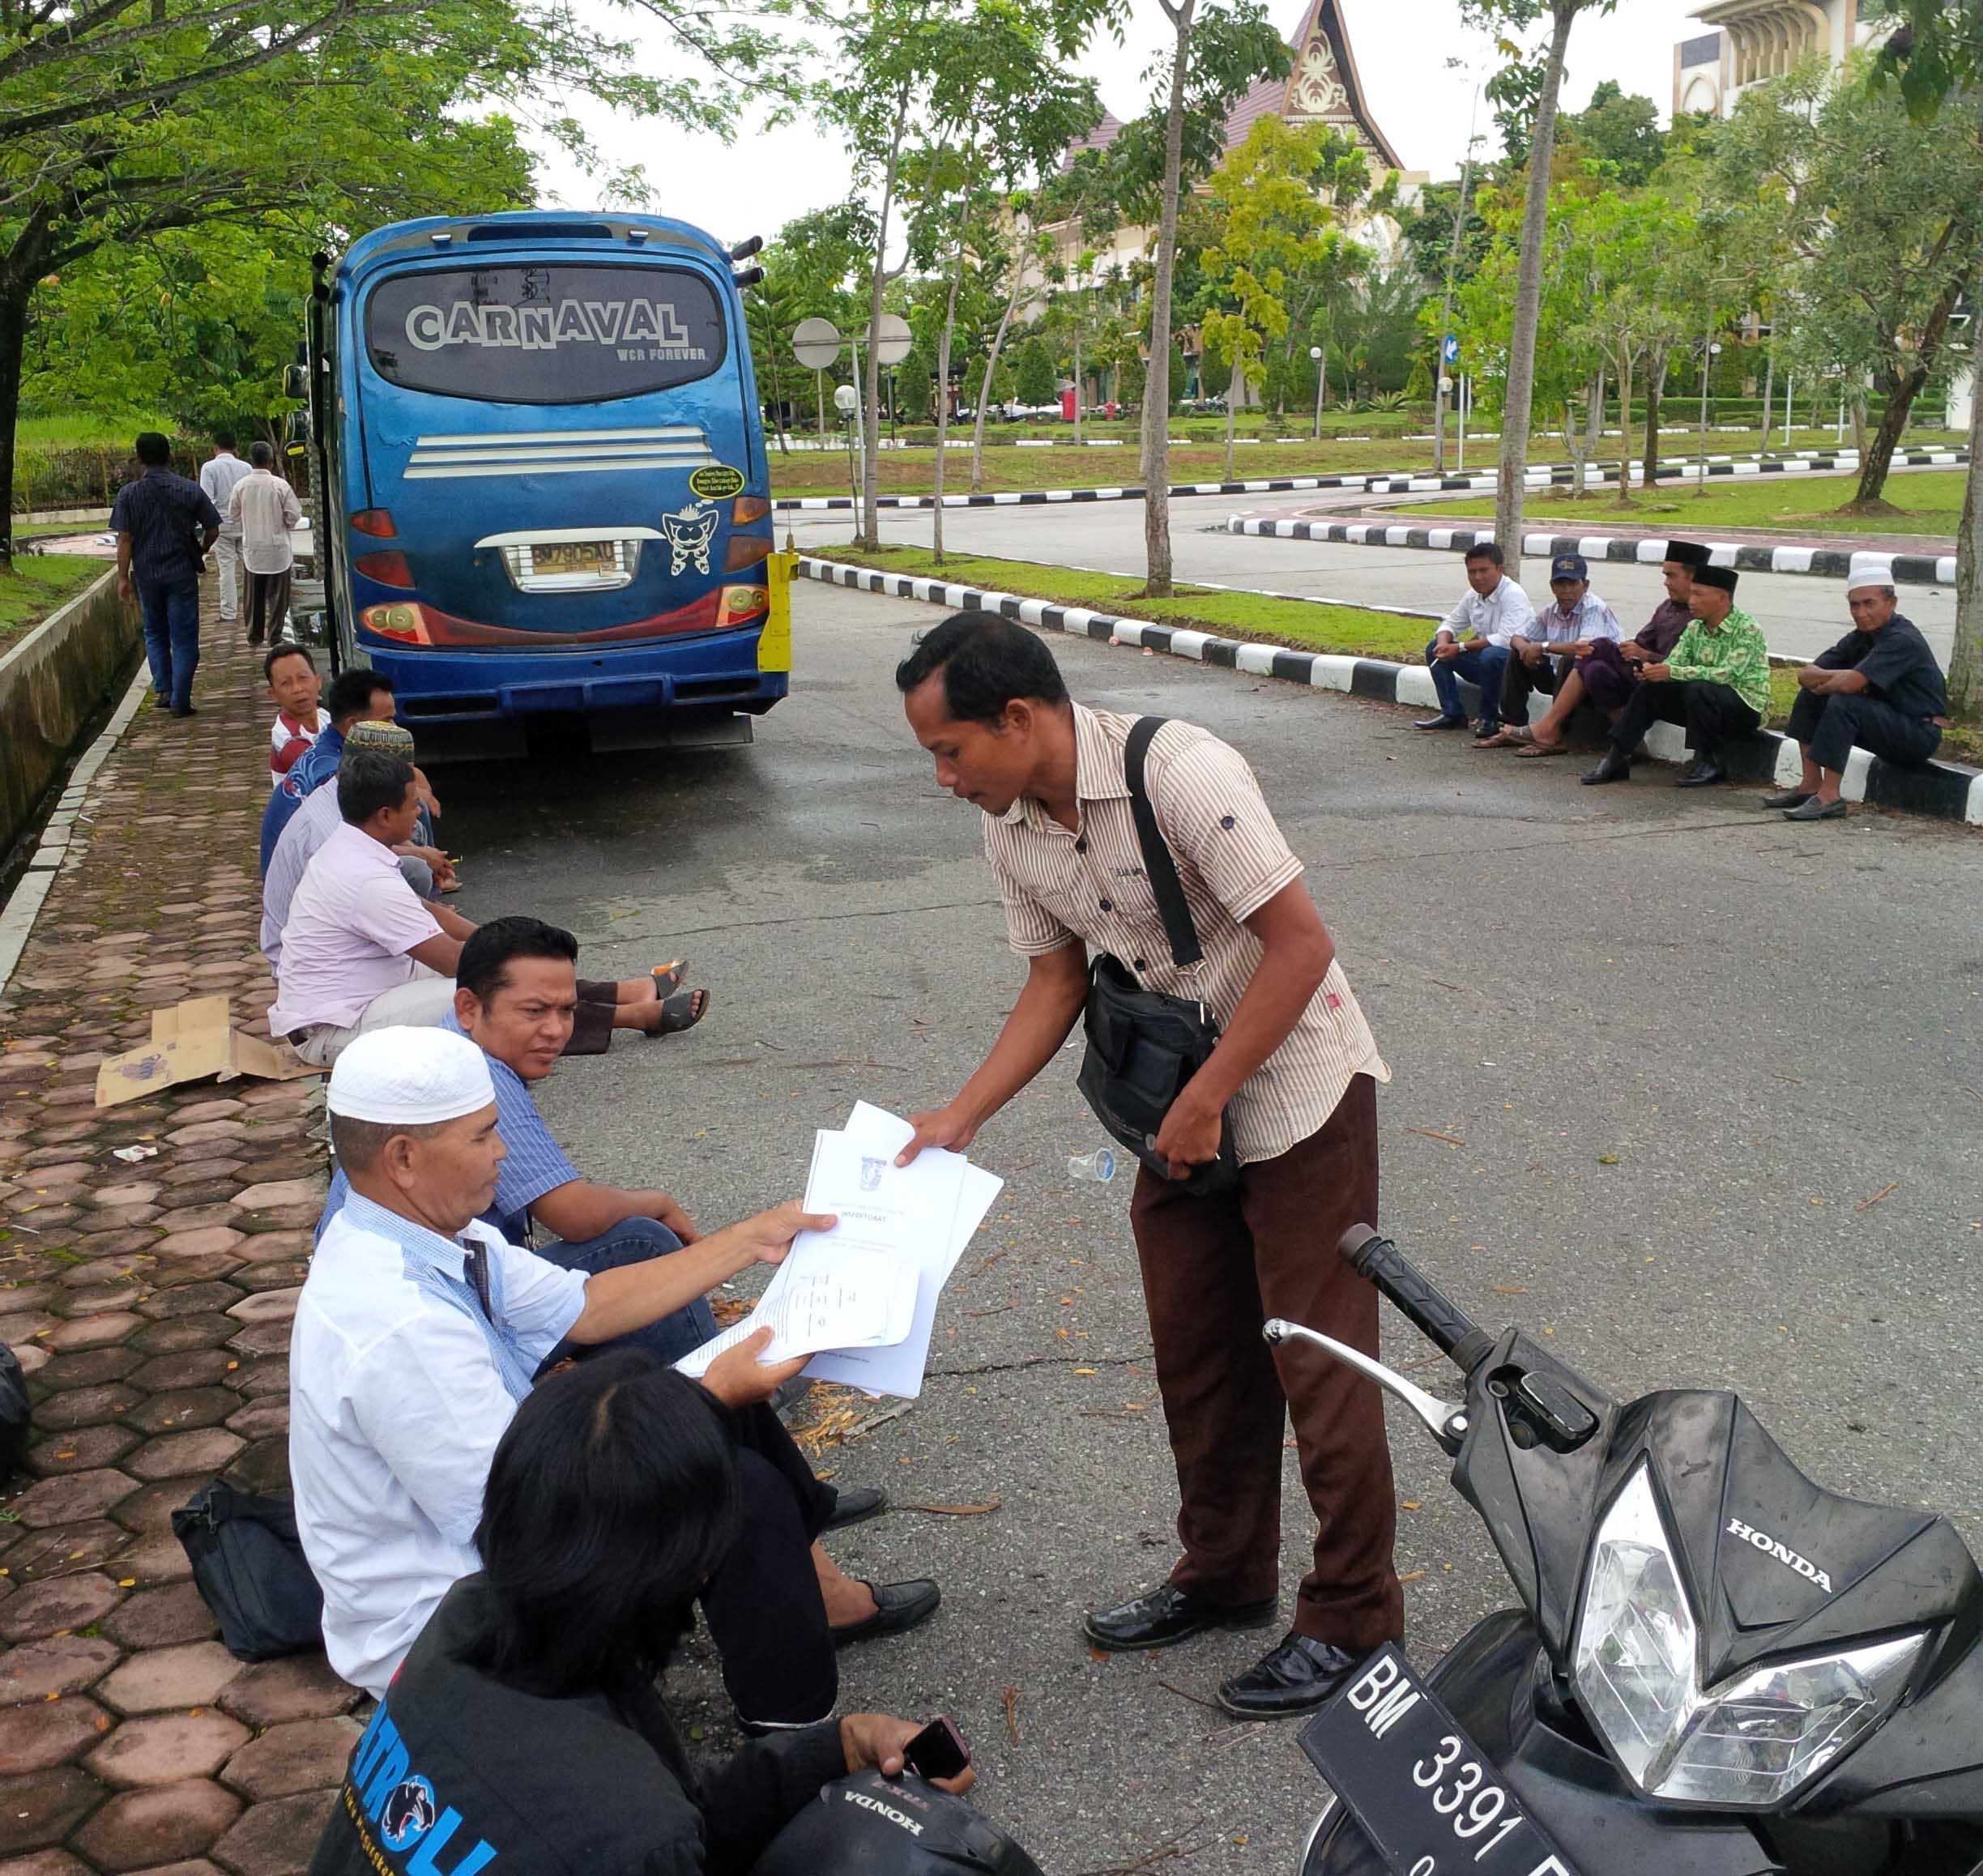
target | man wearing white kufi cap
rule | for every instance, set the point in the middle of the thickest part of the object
(1878, 687)
(420, 1329)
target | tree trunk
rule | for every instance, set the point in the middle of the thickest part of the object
(1079, 399)
(870, 532)
(1656, 389)
(943, 399)
(991, 359)
(1965, 678)
(1574, 443)
(14, 293)
(1157, 382)
(1594, 417)
(1769, 384)
(1625, 388)
(1234, 385)
(1902, 388)
(1518, 403)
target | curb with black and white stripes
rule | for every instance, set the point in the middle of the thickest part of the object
(1748, 557)
(1388, 482)
(1947, 791)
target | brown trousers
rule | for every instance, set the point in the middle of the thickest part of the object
(268, 605)
(1214, 1269)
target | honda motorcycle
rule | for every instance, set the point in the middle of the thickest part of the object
(1718, 1668)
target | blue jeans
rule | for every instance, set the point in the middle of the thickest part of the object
(1482, 666)
(172, 637)
(635, 1241)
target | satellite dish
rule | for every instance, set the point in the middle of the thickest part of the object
(817, 343)
(892, 340)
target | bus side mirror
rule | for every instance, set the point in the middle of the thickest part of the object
(297, 428)
(296, 381)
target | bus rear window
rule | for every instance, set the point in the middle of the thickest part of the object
(557, 333)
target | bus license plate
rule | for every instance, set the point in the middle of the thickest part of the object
(573, 556)
(1425, 1794)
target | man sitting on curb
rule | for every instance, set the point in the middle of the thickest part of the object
(1879, 687)
(356, 695)
(314, 822)
(420, 1329)
(1493, 612)
(1608, 670)
(1716, 682)
(360, 951)
(1544, 658)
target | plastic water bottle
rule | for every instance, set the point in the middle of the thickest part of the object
(1098, 1167)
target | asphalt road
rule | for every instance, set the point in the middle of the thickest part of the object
(1716, 1079)
(1800, 616)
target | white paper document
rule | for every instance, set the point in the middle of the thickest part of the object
(862, 1298)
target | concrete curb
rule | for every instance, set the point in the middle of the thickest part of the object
(1386, 482)
(61, 837)
(1946, 790)
(1750, 556)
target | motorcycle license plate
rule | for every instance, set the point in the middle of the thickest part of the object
(1425, 1794)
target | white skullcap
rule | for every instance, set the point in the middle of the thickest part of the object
(411, 1077)
(1869, 583)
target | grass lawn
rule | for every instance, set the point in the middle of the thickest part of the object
(1298, 624)
(40, 583)
(1931, 498)
(81, 430)
(1008, 467)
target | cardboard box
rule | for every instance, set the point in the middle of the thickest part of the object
(190, 1041)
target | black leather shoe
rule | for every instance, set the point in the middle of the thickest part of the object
(1790, 798)
(1814, 809)
(1295, 1677)
(1614, 768)
(1169, 1614)
(1703, 775)
(1441, 723)
(856, 1505)
(898, 1607)
(1486, 727)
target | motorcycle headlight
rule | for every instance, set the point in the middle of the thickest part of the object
(1751, 1740)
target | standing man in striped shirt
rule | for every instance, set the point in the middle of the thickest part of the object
(1295, 1076)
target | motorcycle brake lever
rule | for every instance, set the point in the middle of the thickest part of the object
(1447, 1423)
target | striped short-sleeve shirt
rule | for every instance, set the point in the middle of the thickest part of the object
(1090, 886)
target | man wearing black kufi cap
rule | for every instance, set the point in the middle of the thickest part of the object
(1716, 681)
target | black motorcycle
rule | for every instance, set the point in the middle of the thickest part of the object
(1718, 1669)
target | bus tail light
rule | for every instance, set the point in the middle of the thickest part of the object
(748, 508)
(745, 550)
(740, 603)
(388, 568)
(376, 521)
(399, 621)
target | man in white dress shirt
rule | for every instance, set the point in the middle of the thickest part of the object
(420, 1329)
(265, 508)
(1474, 641)
(219, 476)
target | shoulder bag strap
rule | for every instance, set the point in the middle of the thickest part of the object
(1179, 928)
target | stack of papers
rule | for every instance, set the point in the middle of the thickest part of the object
(861, 1298)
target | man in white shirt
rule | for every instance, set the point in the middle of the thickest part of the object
(219, 476)
(1542, 658)
(264, 507)
(1474, 641)
(420, 1329)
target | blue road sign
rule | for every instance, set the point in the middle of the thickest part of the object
(1450, 351)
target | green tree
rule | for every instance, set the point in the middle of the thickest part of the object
(1620, 132)
(1883, 218)
(1518, 398)
(1034, 378)
(914, 386)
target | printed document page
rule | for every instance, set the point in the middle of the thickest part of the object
(835, 1297)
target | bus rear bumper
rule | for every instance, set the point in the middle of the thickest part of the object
(718, 672)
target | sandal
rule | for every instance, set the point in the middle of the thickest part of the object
(667, 978)
(682, 1011)
(1537, 748)
(1504, 739)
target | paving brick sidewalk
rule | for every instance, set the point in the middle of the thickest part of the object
(150, 1304)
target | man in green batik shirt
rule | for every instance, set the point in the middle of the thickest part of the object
(1716, 681)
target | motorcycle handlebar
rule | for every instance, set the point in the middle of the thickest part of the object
(1441, 1321)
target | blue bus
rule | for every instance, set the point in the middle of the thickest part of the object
(540, 476)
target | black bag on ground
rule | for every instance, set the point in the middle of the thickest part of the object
(1144, 1046)
(249, 1567)
(15, 1422)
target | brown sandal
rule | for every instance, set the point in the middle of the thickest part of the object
(1502, 740)
(1537, 746)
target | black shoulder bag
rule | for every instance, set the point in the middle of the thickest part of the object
(1143, 1046)
(249, 1567)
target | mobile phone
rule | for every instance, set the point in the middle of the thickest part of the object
(937, 1751)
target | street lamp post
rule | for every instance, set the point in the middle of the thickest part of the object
(1315, 352)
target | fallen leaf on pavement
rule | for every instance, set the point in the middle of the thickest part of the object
(955, 1510)
(1010, 1698)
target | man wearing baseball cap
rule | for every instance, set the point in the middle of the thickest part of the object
(420, 1329)
(1545, 658)
(1716, 681)
(1880, 688)
(1607, 671)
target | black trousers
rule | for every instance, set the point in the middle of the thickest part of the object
(1712, 713)
(763, 1605)
(1828, 726)
(1519, 679)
